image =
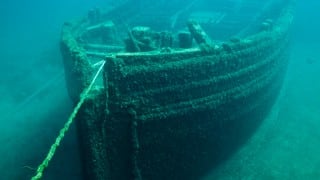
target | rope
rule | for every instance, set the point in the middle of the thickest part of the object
(65, 128)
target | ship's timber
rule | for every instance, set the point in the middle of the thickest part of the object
(174, 114)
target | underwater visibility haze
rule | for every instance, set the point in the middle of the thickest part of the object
(141, 89)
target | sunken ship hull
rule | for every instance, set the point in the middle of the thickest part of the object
(174, 114)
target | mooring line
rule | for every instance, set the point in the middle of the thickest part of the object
(65, 128)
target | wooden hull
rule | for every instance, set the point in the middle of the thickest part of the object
(178, 114)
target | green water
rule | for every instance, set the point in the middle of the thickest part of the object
(286, 145)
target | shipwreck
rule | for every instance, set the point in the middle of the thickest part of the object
(182, 87)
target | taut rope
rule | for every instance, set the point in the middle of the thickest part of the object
(65, 128)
